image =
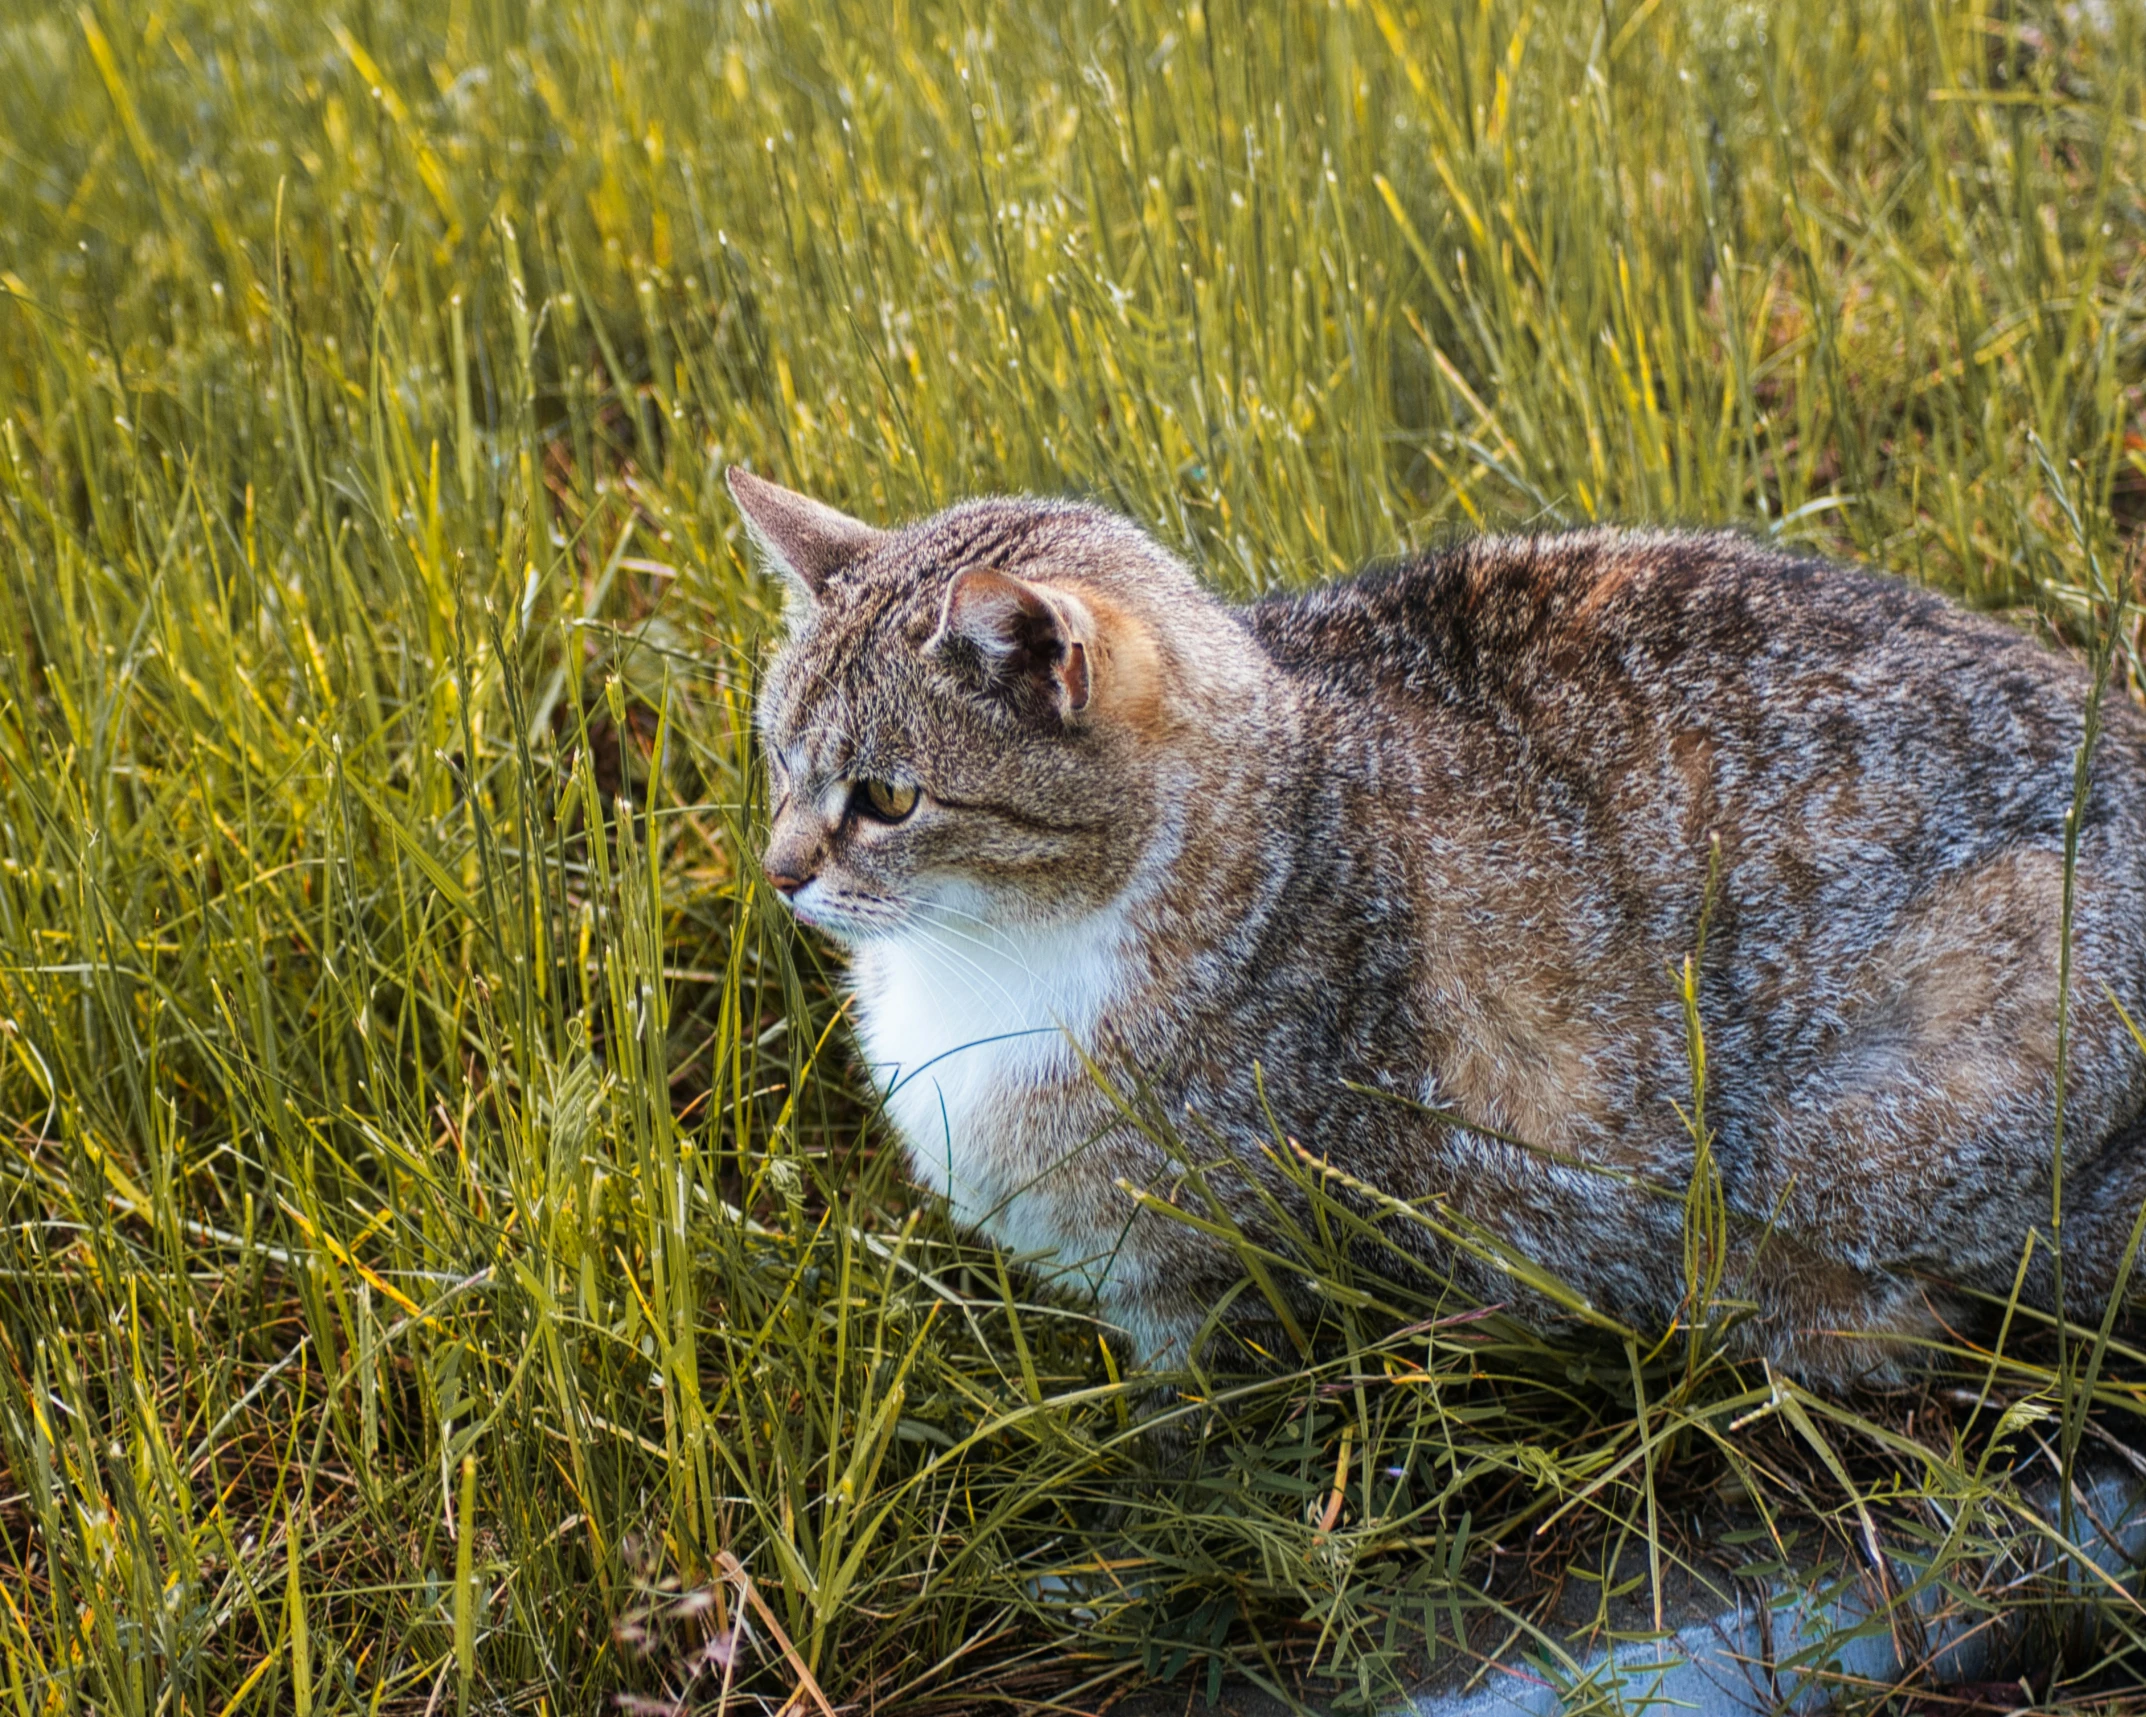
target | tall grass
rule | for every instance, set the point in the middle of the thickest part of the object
(447, 1258)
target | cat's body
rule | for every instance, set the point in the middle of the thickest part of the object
(1439, 839)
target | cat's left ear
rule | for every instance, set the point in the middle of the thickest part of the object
(804, 540)
(1025, 636)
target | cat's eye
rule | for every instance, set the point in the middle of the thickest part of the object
(887, 801)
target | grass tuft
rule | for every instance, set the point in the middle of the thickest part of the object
(447, 1255)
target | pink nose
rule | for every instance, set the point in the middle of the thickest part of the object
(785, 882)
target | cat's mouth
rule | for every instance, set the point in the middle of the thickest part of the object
(844, 915)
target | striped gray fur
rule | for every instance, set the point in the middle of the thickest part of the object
(1438, 837)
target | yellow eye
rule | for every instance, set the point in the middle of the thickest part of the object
(889, 801)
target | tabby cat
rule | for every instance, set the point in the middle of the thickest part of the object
(1407, 869)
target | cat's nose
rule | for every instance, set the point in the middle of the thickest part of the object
(794, 853)
(782, 880)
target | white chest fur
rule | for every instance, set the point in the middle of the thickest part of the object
(958, 1019)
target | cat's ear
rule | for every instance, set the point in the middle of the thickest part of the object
(803, 539)
(1024, 635)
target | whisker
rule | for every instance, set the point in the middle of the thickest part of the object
(977, 966)
(1005, 948)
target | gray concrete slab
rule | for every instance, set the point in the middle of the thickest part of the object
(1792, 1644)
(1740, 1648)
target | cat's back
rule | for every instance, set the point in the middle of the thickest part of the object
(1501, 622)
(1626, 674)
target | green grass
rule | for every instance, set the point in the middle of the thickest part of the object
(445, 1262)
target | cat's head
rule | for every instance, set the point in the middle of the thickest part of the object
(972, 716)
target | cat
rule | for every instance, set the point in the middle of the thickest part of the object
(1406, 869)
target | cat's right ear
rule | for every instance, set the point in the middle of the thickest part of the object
(804, 540)
(1022, 635)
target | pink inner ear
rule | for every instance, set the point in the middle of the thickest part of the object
(1073, 672)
